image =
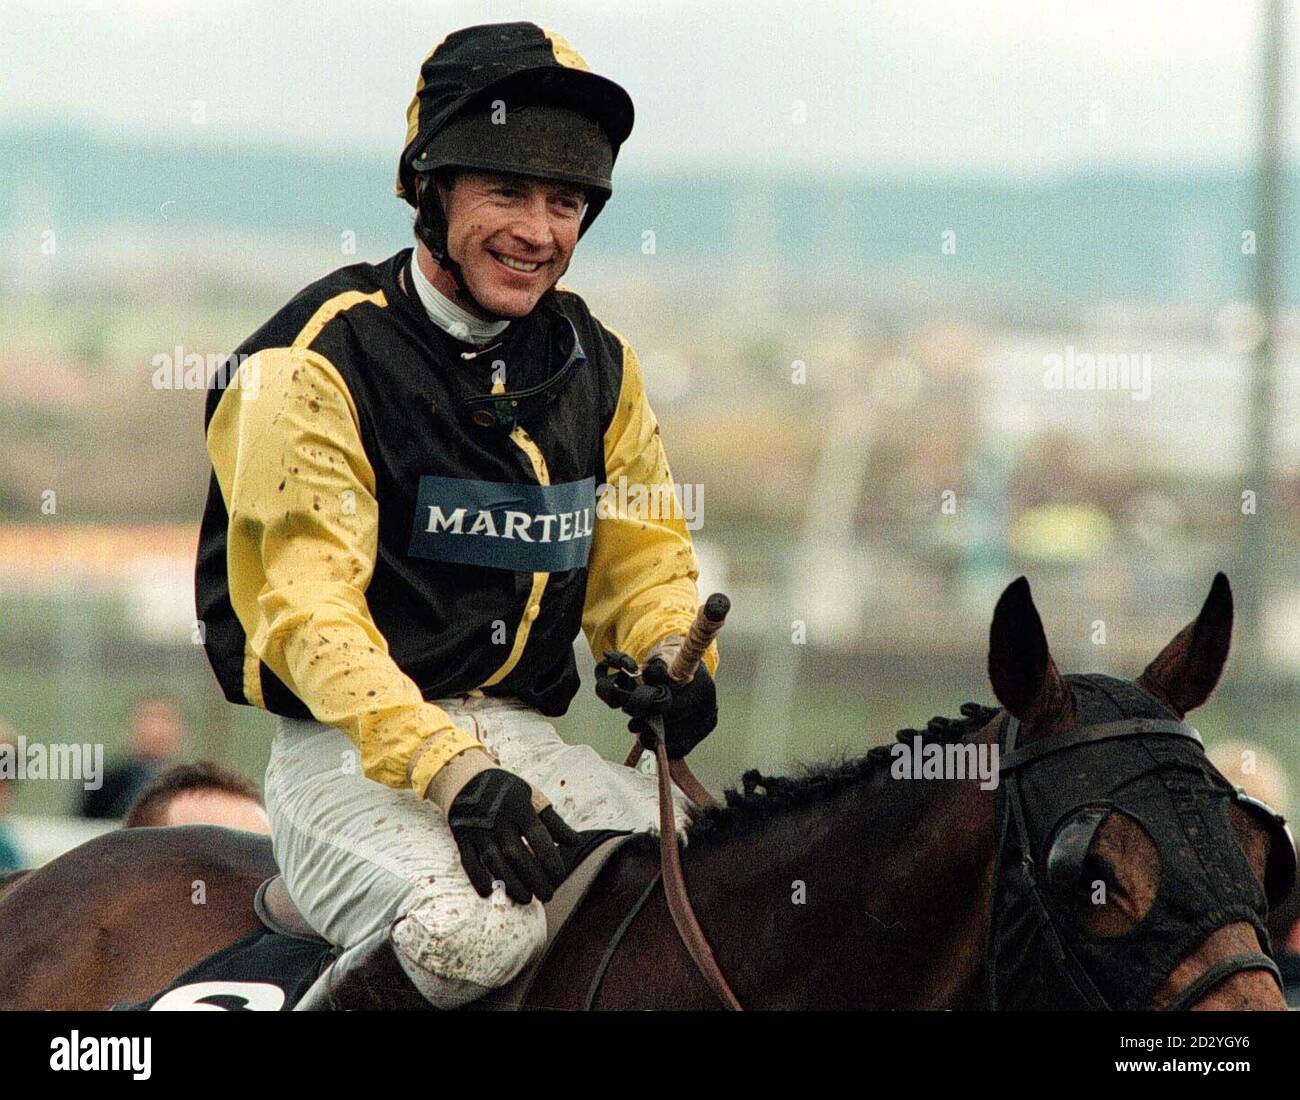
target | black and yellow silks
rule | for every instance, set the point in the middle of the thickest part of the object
(350, 563)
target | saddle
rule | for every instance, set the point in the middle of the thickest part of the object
(587, 861)
(272, 968)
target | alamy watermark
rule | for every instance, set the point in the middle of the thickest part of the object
(98, 1053)
(55, 760)
(179, 369)
(954, 760)
(1119, 371)
(664, 500)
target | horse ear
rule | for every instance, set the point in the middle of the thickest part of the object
(1187, 670)
(1024, 676)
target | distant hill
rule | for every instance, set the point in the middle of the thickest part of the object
(1082, 238)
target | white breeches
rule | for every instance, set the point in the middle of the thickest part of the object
(358, 856)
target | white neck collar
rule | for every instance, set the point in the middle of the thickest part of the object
(448, 316)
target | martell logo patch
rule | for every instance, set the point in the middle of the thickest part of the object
(525, 528)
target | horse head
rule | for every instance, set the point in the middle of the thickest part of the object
(1129, 872)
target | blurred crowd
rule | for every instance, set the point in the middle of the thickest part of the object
(151, 784)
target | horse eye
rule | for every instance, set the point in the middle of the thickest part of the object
(1093, 870)
(1071, 866)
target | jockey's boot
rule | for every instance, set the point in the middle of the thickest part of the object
(367, 976)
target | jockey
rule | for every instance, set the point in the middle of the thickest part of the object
(409, 520)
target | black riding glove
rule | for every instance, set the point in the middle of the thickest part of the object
(689, 710)
(491, 818)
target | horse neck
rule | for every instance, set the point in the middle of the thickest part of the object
(875, 897)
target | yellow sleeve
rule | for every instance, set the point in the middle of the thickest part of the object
(642, 571)
(304, 522)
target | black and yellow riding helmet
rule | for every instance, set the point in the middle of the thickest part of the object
(510, 97)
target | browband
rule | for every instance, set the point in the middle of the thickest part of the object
(1102, 731)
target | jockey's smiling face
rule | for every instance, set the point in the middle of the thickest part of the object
(512, 235)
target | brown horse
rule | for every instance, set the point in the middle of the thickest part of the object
(845, 888)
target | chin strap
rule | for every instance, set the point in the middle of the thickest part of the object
(431, 229)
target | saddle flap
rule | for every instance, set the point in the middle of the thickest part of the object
(277, 912)
(588, 860)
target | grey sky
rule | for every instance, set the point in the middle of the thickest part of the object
(1014, 86)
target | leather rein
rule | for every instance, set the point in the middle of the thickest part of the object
(708, 621)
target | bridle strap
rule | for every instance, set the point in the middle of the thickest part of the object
(1250, 960)
(1016, 758)
(1087, 735)
(1074, 970)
